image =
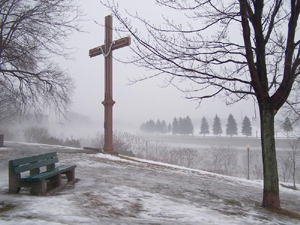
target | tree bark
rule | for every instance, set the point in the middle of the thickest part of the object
(271, 184)
(294, 166)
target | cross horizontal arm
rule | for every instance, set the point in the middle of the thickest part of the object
(116, 45)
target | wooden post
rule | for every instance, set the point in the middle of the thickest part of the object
(108, 102)
(13, 180)
(1, 140)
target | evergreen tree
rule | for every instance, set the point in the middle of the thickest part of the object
(180, 126)
(143, 127)
(189, 125)
(231, 126)
(204, 129)
(169, 128)
(158, 126)
(287, 126)
(175, 126)
(164, 128)
(151, 126)
(184, 126)
(246, 127)
(217, 127)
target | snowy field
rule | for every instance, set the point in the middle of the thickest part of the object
(114, 190)
(199, 142)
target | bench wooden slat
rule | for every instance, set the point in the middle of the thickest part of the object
(30, 159)
(34, 165)
(47, 174)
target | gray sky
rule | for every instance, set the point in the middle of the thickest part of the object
(134, 103)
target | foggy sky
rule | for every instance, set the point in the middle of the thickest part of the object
(134, 103)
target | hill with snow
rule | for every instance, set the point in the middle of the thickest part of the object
(123, 190)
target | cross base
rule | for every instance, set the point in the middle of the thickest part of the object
(108, 125)
(108, 150)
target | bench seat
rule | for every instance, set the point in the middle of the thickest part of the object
(48, 173)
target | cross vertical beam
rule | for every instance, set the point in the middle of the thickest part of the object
(108, 102)
(108, 98)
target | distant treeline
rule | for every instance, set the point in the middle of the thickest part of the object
(231, 126)
(183, 126)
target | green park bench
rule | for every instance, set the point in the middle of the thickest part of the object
(28, 172)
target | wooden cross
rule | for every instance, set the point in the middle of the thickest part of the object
(108, 102)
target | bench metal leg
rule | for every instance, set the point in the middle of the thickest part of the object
(38, 188)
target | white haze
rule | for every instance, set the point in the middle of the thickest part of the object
(136, 103)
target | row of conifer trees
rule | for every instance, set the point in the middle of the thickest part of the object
(231, 126)
(184, 126)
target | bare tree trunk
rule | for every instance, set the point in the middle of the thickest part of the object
(271, 184)
(294, 166)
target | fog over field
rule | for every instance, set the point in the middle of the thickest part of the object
(174, 112)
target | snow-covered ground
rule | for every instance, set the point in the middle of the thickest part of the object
(114, 190)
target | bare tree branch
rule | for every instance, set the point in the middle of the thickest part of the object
(231, 49)
(31, 33)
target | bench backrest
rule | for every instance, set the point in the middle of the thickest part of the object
(32, 162)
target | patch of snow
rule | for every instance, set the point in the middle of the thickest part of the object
(111, 157)
(44, 145)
